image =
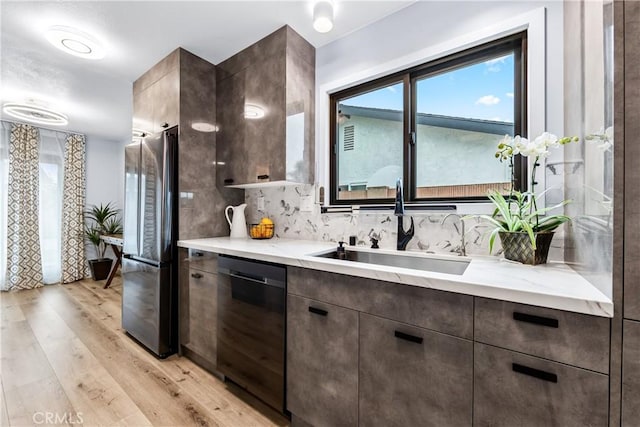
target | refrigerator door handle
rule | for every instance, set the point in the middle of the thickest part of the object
(151, 262)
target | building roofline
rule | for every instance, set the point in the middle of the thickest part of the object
(450, 122)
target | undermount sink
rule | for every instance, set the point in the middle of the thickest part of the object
(438, 265)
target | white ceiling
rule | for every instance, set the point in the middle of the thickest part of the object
(96, 94)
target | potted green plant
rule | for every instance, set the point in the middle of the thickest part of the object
(101, 220)
(525, 230)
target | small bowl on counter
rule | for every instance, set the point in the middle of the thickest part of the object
(261, 231)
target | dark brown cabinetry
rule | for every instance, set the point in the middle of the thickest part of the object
(412, 376)
(631, 373)
(572, 338)
(198, 306)
(156, 96)
(266, 106)
(427, 308)
(514, 389)
(348, 364)
(181, 90)
(322, 362)
(405, 356)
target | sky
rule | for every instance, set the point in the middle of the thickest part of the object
(480, 91)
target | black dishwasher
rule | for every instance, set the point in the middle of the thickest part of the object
(251, 326)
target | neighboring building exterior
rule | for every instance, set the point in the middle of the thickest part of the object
(371, 156)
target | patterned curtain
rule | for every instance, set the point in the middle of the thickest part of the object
(24, 265)
(73, 257)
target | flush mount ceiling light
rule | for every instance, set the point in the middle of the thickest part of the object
(35, 114)
(75, 42)
(204, 127)
(252, 111)
(323, 16)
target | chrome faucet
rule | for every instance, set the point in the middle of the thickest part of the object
(462, 249)
(403, 236)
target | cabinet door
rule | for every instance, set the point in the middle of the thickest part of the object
(204, 261)
(166, 101)
(199, 333)
(412, 376)
(513, 389)
(322, 363)
(631, 374)
(231, 151)
(265, 138)
(143, 111)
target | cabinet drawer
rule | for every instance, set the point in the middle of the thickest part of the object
(322, 362)
(513, 389)
(446, 312)
(204, 261)
(572, 338)
(412, 376)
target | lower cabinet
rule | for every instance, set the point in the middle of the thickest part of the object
(198, 315)
(514, 389)
(411, 376)
(322, 362)
(371, 353)
(631, 373)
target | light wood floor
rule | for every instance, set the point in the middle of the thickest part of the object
(65, 360)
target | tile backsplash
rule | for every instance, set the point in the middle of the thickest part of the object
(282, 205)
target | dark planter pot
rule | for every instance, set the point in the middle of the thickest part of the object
(100, 268)
(517, 247)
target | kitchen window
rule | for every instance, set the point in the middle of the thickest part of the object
(436, 126)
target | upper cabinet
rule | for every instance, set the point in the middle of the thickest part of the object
(156, 96)
(181, 90)
(266, 108)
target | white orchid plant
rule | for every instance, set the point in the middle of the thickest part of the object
(519, 212)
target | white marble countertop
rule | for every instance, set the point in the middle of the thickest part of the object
(553, 285)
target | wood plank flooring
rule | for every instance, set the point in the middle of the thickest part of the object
(65, 360)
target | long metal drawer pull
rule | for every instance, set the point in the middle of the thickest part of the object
(262, 281)
(196, 275)
(318, 311)
(407, 337)
(536, 373)
(537, 320)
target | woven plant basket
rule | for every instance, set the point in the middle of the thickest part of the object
(517, 247)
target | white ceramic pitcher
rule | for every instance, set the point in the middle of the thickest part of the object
(239, 224)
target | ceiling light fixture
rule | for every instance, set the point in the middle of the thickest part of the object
(75, 42)
(252, 111)
(35, 114)
(323, 16)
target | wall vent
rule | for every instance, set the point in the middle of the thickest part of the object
(349, 138)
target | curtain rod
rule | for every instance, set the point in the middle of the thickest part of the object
(42, 127)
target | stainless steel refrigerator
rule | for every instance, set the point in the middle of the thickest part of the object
(149, 267)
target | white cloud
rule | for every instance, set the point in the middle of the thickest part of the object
(391, 89)
(509, 94)
(493, 65)
(488, 100)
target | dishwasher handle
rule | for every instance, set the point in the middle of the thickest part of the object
(257, 280)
